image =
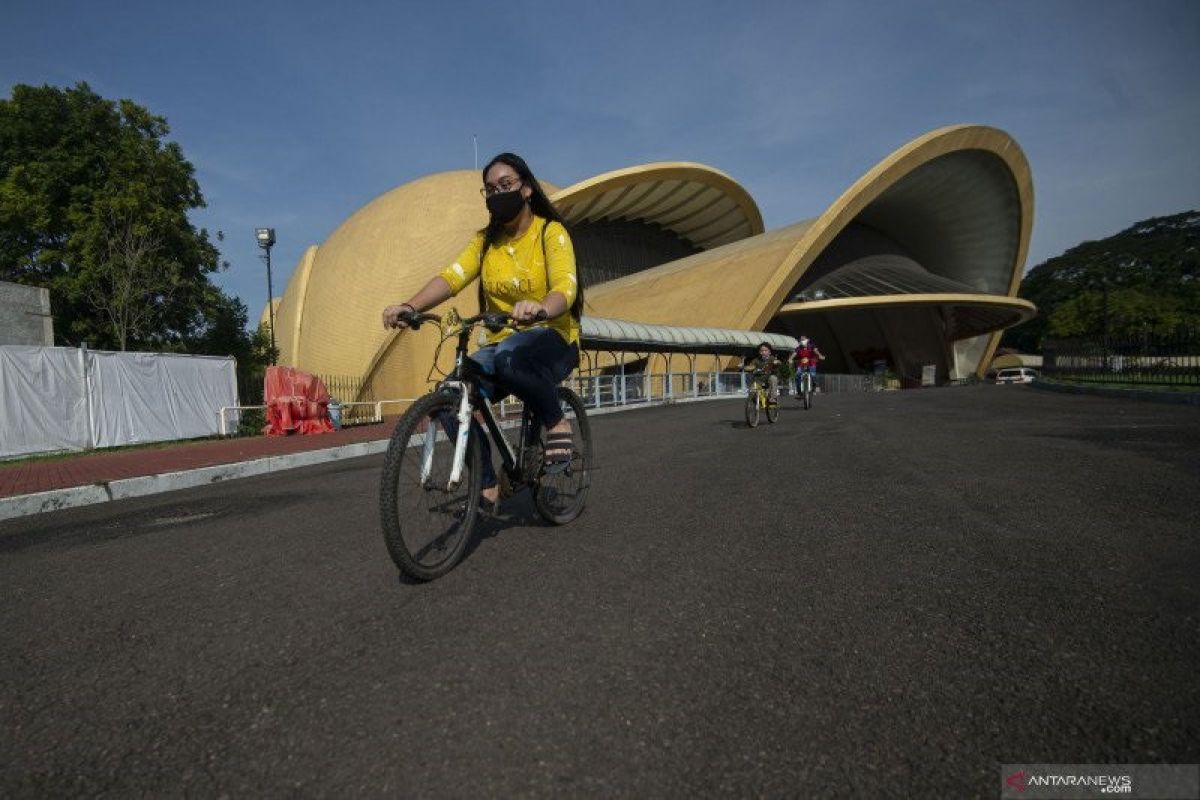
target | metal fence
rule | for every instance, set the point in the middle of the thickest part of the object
(597, 391)
(346, 389)
(1151, 360)
(607, 391)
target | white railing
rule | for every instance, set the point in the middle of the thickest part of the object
(608, 391)
(376, 416)
(612, 391)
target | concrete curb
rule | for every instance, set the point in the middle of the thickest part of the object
(1142, 395)
(58, 499)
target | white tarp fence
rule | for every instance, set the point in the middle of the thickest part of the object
(58, 398)
(45, 406)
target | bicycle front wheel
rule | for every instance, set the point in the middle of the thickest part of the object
(426, 520)
(560, 497)
(752, 411)
(772, 410)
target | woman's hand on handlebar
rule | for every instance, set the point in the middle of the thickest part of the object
(393, 316)
(527, 311)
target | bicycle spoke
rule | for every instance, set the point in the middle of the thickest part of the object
(426, 521)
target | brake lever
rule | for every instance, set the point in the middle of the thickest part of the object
(496, 322)
(502, 321)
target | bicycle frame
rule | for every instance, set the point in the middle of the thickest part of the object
(428, 523)
(760, 394)
(759, 388)
(463, 380)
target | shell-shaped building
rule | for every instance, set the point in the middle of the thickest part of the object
(916, 264)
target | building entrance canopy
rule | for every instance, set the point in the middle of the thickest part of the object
(601, 333)
(963, 315)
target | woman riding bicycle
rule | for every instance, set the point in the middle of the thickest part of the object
(526, 265)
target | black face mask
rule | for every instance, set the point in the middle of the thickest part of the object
(505, 206)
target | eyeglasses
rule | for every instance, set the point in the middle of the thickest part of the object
(506, 184)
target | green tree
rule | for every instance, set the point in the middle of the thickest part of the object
(1145, 279)
(224, 333)
(1122, 312)
(93, 206)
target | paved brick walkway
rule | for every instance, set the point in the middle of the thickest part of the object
(85, 469)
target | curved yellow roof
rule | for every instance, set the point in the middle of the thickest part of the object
(265, 317)
(289, 309)
(958, 201)
(959, 198)
(698, 203)
(329, 321)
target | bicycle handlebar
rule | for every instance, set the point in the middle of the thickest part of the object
(415, 319)
(492, 320)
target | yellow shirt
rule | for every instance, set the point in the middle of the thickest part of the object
(515, 269)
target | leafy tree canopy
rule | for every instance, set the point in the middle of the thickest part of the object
(1145, 279)
(93, 206)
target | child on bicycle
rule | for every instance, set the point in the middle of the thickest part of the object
(525, 263)
(806, 357)
(765, 364)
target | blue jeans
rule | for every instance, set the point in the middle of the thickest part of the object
(530, 364)
(811, 370)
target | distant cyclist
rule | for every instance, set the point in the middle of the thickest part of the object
(806, 357)
(764, 363)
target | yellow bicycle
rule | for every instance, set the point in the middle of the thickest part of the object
(759, 400)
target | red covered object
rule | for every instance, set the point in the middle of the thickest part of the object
(296, 402)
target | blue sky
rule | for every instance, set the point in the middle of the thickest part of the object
(296, 114)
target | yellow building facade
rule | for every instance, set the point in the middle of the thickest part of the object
(917, 263)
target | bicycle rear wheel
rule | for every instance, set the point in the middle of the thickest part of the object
(560, 497)
(752, 410)
(426, 522)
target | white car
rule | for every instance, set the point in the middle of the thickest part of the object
(1016, 375)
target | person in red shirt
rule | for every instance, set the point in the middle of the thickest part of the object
(806, 357)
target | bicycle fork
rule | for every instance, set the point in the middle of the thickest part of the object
(460, 440)
(463, 419)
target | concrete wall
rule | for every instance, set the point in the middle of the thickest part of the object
(25, 315)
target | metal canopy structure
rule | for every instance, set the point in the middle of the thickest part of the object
(601, 333)
(701, 204)
(963, 315)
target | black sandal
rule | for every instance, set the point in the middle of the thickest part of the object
(490, 508)
(557, 451)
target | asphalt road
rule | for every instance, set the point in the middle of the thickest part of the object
(889, 595)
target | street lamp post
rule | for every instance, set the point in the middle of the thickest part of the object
(266, 238)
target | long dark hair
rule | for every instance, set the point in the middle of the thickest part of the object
(540, 205)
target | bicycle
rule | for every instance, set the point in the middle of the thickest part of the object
(759, 399)
(806, 388)
(432, 480)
